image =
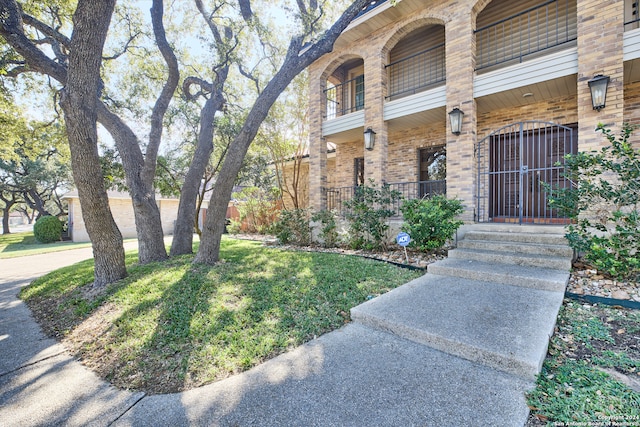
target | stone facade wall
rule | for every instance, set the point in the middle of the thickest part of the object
(599, 51)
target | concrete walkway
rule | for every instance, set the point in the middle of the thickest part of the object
(410, 358)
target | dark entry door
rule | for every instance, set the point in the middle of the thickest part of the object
(514, 164)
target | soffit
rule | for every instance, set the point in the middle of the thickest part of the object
(377, 18)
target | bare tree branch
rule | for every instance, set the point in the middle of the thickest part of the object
(124, 49)
(251, 77)
(169, 88)
(205, 87)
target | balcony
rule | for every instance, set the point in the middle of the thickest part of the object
(337, 196)
(552, 24)
(631, 15)
(344, 98)
(417, 72)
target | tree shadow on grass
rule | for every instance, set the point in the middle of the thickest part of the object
(177, 325)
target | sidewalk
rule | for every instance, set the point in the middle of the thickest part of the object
(358, 375)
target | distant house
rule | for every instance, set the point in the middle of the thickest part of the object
(17, 218)
(122, 210)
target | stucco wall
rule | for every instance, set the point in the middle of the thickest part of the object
(122, 210)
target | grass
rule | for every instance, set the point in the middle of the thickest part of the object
(577, 384)
(22, 244)
(173, 326)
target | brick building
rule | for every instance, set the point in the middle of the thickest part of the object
(520, 72)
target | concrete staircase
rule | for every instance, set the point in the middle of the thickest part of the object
(493, 301)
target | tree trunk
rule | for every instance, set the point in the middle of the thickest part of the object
(183, 233)
(79, 103)
(209, 250)
(5, 217)
(139, 174)
(145, 209)
(294, 63)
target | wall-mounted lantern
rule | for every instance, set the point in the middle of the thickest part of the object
(369, 139)
(598, 86)
(455, 118)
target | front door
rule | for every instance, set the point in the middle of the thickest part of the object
(515, 165)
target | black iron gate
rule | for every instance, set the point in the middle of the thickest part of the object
(514, 162)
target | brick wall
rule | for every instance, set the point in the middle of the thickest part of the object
(403, 150)
(599, 47)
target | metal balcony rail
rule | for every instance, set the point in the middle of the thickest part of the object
(542, 27)
(337, 196)
(345, 97)
(631, 15)
(416, 72)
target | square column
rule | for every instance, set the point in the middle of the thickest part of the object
(317, 145)
(600, 51)
(460, 60)
(375, 83)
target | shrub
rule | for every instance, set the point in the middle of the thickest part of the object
(328, 228)
(603, 203)
(293, 227)
(431, 222)
(368, 213)
(257, 209)
(48, 229)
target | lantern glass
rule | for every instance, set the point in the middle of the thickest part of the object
(455, 118)
(598, 86)
(369, 139)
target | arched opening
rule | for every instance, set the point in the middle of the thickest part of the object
(417, 62)
(344, 89)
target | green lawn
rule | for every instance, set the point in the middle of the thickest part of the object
(175, 325)
(23, 244)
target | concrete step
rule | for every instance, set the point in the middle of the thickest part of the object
(506, 274)
(531, 260)
(500, 326)
(517, 247)
(540, 238)
(514, 228)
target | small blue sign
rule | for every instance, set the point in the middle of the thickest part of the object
(403, 239)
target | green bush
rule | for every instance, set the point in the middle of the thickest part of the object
(257, 208)
(48, 229)
(431, 222)
(368, 213)
(293, 227)
(604, 203)
(328, 228)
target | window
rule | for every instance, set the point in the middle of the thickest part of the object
(432, 170)
(358, 171)
(358, 93)
(433, 163)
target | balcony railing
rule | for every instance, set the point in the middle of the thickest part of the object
(337, 196)
(542, 27)
(416, 72)
(345, 98)
(631, 15)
